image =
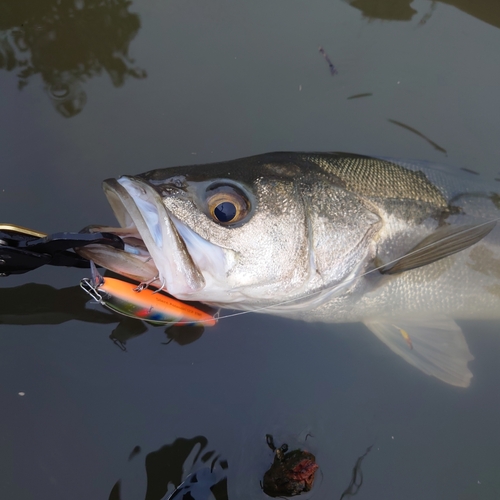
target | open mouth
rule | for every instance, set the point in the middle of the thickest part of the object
(155, 250)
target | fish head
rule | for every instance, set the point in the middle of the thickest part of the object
(246, 233)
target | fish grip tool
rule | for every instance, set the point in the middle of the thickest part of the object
(23, 249)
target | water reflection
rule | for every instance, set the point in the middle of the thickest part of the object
(67, 42)
(436, 146)
(36, 304)
(186, 467)
(358, 96)
(391, 10)
(356, 477)
(487, 11)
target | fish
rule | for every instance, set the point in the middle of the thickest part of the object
(405, 247)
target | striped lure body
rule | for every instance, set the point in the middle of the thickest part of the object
(124, 298)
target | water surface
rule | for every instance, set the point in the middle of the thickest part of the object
(94, 89)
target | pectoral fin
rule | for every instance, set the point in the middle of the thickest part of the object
(436, 346)
(443, 242)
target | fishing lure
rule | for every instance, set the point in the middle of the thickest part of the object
(122, 297)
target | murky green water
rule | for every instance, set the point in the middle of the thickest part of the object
(95, 88)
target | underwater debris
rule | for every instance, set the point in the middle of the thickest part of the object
(291, 473)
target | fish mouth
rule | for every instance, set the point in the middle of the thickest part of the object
(158, 247)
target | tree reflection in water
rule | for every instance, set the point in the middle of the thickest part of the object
(391, 10)
(487, 11)
(67, 42)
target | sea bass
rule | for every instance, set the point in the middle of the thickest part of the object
(406, 248)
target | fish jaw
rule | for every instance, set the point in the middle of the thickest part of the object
(137, 204)
(136, 267)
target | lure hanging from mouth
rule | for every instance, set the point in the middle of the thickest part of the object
(123, 297)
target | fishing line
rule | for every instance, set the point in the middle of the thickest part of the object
(350, 280)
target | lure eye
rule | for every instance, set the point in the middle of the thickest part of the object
(227, 205)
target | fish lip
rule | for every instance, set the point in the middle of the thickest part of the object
(137, 203)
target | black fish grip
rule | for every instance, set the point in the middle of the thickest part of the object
(22, 249)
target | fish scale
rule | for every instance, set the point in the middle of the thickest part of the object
(380, 178)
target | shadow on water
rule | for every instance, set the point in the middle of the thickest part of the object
(36, 304)
(487, 11)
(166, 467)
(67, 42)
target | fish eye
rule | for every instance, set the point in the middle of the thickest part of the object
(227, 205)
(225, 211)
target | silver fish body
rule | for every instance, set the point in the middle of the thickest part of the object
(405, 248)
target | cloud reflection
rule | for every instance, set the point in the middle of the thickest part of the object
(67, 42)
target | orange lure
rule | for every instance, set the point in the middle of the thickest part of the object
(154, 307)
